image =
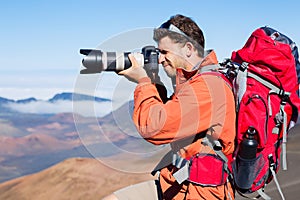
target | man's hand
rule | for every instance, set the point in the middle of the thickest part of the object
(135, 72)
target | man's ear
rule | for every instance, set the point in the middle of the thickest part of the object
(189, 49)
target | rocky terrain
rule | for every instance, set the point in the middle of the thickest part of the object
(74, 178)
(53, 156)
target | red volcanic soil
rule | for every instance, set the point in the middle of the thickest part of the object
(75, 178)
(86, 178)
(32, 144)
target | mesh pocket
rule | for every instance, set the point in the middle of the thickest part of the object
(246, 170)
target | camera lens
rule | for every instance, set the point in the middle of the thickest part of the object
(97, 61)
(92, 61)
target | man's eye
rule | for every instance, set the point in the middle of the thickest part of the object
(163, 51)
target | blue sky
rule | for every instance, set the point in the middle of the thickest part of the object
(40, 40)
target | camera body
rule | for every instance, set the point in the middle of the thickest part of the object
(96, 61)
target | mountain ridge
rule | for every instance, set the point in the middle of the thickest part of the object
(64, 96)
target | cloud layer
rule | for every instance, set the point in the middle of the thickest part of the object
(85, 108)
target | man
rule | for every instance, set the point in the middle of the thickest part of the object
(201, 107)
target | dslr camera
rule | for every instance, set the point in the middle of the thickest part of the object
(96, 61)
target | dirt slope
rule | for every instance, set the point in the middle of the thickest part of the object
(75, 178)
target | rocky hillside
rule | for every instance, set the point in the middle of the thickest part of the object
(75, 178)
(88, 179)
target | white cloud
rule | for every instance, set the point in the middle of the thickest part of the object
(18, 93)
(85, 108)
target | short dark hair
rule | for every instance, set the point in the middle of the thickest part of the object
(187, 26)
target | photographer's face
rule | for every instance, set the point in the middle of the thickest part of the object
(172, 56)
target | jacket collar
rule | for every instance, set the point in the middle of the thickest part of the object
(204, 65)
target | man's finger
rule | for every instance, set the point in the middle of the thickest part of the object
(123, 72)
(133, 61)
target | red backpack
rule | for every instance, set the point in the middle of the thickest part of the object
(264, 80)
(265, 83)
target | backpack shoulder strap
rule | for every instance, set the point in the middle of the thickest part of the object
(218, 74)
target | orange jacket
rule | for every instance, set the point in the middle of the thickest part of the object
(200, 104)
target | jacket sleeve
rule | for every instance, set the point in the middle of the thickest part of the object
(182, 116)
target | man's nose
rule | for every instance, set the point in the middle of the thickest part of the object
(161, 58)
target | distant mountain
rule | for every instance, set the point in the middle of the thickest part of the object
(68, 96)
(5, 100)
(28, 100)
(8, 106)
(36, 143)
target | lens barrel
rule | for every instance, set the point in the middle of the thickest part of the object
(96, 61)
